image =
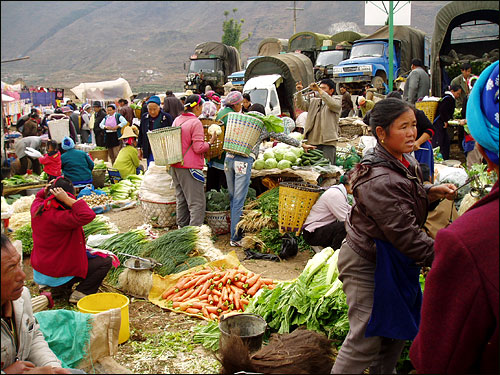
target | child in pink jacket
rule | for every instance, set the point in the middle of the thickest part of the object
(51, 160)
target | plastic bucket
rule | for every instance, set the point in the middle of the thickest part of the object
(99, 302)
(249, 327)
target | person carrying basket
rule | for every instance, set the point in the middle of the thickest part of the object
(188, 175)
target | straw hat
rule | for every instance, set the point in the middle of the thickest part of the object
(130, 132)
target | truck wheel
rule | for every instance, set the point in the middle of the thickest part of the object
(378, 83)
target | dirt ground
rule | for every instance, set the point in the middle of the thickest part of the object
(160, 340)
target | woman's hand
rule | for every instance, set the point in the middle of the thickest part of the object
(442, 191)
(307, 147)
(62, 196)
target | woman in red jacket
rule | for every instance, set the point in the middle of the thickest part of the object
(51, 160)
(59, 257)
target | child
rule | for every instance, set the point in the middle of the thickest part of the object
(52, 160)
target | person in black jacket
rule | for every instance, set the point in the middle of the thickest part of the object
(99, 114)
(153, 119)
(445, 111)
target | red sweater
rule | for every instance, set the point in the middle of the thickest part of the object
(58, 239)
(52, 164)
(459, 327)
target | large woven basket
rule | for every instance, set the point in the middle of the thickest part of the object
(59, 129)
(166, 145)
(351, 130)
(98, 177)
(295, 202)
(242, 133)
(216, 149)
(429, 108)
(99, 154)
(219, 221)
(159, 215)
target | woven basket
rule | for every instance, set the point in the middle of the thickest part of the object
(99, 154)
(242, 133)
(219, 221)
(216, 149)
(166, 145)
(59, 129)
(159, 215)
(98, 177)
(429, 109)
(295, 202)
(351, 130)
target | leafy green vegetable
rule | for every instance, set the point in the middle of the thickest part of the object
(25, 235)
(271, 163)
(284, 164)
(97, 226)
(217, 200)
(207, 335)
(271, 122)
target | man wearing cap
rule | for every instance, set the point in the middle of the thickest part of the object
(365, 105)
(153, 119)
(418, 82)
(99, 115)
(322, 124)
(172, 105)
(127, 162)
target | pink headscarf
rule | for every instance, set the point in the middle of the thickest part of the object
(208, 109)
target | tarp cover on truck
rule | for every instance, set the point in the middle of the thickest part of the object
(450, 16)
(272, 46)
(347, 36)
(412, 43)
(105, 90)
(228, 54)
(306, 41)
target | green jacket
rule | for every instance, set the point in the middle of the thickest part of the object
(76, 165)
(460, 81)
(127, 161)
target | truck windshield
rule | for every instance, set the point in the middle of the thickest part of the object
(258, 96)
(367, 50)
(202, 65)
(326, 58)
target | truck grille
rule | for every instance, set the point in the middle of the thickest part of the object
(350, 69)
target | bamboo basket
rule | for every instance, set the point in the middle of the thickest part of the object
(295, 202)
(242, 133)
(159, 215)
(219, 221)
(216, 149)
(166, 145)
(429, 108)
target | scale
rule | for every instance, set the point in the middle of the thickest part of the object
(139, 264)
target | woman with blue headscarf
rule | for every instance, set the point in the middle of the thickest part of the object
(76, 165)
(460, 310)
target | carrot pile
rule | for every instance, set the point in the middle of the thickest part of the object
(211, 292)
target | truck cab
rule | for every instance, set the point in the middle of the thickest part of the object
(262, 90)
(203, 72)
(238, 78)
(327, 59)
(368, 63)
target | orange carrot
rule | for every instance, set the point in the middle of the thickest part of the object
(216, 292)
(181, 282)
(216, 299)
(210, 298)
(243, 278)
(213, 316)
(231, 297)
(205, 312)
(236, 289)
(202, 289)
(237, 301)
(197, 305)
(203, 271)
(192, 282)
(224, 293)
(189, 294)
(267, 281)
(180, 295)
(192, 310)
(251, 281)
(168, 292)
(239, 284)
(244, 301)
(254, 288)
(211, 309)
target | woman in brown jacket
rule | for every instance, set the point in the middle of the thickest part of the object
(380, 260)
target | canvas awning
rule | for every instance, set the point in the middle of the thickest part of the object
(105, 90)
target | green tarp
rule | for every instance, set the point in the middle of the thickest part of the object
(306, 41)
(272, 46)
(228, 54)
(347, 36)
(450, 16)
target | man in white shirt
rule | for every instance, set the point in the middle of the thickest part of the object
(324, 225)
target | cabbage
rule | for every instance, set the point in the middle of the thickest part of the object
(296, 135)
(214, 128)
(279, 154)
(259, 164)
(268, 154)
(290, 156)
(271, 163)
(284, 164)
(298, 151)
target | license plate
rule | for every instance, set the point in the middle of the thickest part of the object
(348, 79)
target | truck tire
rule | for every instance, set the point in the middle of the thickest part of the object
(378, 83)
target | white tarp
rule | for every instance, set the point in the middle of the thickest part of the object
(7, 98)
(105, 90)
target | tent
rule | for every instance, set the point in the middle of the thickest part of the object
(450, 16)
(105, 90)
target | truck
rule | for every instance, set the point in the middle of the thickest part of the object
(307, 43)
(468, 40)
(267, 47)
(369, 60)
(211, 64)
(333, 51)
(270, 81)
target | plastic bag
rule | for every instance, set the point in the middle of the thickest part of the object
(89, 190)
(289, 246)
(250, 254)
(457, 176)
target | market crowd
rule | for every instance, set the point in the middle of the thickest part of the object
(380, 236)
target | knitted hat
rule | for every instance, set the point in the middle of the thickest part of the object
(67, 143)
(154, 99)
(234, 97)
